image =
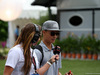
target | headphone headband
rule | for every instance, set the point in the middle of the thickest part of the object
(36, 28)
(36, 35)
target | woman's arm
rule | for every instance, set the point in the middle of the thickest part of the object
(43, 69)
(8, 70)
(12, 59)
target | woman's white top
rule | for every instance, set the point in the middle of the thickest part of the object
(15, 60)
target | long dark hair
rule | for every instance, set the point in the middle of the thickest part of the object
(25, 38)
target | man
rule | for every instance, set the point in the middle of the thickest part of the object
(16, 32)
(50, 30)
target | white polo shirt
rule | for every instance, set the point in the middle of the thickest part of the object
(15, 60)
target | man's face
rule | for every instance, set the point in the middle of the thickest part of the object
(50, 36)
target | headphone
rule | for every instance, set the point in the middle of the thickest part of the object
(36, 35)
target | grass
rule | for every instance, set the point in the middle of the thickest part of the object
(78, 67)
(81, 67)
(2, 63)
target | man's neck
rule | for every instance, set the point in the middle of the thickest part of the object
(48, 44)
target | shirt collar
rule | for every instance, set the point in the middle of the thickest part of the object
(44, 46)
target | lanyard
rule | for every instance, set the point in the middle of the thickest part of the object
(34, 62)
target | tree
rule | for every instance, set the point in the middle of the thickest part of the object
(3, 30)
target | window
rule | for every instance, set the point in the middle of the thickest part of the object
(75, 20)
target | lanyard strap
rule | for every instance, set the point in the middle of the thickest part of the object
(34, 62)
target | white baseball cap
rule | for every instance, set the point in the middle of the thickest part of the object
(50, 25)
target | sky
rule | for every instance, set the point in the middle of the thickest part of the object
(27, 5)
(12, 4)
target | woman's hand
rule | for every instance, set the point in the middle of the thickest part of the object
(69, 73)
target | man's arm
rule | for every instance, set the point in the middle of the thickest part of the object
(44, 68)
(59, 73)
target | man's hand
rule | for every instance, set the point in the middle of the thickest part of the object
(59, 73)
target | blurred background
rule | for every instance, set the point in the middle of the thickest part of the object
(79, 22)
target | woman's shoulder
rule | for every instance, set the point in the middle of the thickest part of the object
(16, 48)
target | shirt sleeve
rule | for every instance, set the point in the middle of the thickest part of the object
(12, 59)
(38, 56)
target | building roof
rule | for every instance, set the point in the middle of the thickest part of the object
(46, 3)
(77, 4)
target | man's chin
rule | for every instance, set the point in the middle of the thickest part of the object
(53, 41)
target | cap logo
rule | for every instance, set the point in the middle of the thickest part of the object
(55, 25)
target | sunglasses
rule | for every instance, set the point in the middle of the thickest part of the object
(54, 33)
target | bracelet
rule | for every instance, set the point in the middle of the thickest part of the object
(49, 63)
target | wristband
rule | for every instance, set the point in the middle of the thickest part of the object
(49, 63)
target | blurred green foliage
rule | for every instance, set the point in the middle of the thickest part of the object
(42, 19)
(3, 30)
(74, 44)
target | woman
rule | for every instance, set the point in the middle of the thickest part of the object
(19, 60)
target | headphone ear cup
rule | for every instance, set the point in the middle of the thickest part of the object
(36, 35)
(35, 38)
